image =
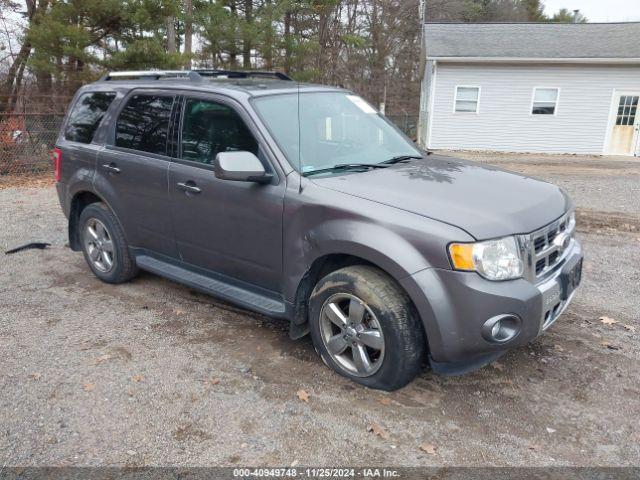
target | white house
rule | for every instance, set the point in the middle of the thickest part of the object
(532, 87)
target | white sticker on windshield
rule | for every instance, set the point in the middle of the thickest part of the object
(361, 104)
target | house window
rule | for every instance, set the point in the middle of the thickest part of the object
(467, 99)
(545, 101)
(627, 110)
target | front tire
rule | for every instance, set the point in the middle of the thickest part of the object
(104, 246)
(364, 327)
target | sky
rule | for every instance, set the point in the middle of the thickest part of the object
(599, 10)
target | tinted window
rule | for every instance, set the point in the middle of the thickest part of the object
(210, 128)
(86, 115)
(144, 124)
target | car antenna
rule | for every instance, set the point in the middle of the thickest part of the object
(299, 142)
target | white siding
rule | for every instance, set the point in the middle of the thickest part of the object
(505, 123)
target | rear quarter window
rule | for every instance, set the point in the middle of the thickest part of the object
(86, 115)
(143, 123)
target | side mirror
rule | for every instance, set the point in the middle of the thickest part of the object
(240, 167)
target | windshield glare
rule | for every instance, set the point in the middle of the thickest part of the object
(334, 128)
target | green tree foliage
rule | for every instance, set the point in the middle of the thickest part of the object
(565, 16)
(535, 10)
(74, 40)
(503, 11)
(370, 46)
(66, 34)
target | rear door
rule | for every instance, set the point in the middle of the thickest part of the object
(232, 228)
(132, 170)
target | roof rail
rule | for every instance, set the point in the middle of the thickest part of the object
(152, 75)
(234, 74)
(193, 75)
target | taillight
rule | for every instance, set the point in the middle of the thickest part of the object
(57, 163)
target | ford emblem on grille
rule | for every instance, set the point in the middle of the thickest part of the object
(562, 241)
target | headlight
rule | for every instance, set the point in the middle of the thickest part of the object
(493, 259)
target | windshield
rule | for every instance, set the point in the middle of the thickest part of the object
(335, 128)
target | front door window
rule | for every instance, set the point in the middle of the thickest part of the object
(210, 128)
(627, 110)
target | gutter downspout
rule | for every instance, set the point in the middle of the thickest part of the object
(427, 93)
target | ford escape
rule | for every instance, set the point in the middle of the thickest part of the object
(303, 202)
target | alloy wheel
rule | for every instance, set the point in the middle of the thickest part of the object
(352, 335)
(98, 245)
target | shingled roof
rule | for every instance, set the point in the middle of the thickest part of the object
(533, 40)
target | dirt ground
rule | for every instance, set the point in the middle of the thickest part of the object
(152, 373)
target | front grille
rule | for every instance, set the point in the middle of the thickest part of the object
(544, 250)
(552, 314)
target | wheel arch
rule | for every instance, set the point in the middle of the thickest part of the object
(326, 264)
(81, 200)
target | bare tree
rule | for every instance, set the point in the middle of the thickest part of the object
(13, 80)
(171, 35)
(188, 32)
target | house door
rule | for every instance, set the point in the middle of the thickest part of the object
(625, 134)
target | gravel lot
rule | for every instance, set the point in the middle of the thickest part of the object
(151, 373)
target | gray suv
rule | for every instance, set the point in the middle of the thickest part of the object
(303, 202)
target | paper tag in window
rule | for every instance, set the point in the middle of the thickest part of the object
(361, 104)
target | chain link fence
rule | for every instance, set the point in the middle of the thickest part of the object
(28, 132)
(407, 123)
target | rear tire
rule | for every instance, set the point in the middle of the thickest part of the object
(364, 327)
(104, 246)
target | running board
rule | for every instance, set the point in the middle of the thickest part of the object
(217, 288)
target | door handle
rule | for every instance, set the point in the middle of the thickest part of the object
(111, 167)
(189, 187)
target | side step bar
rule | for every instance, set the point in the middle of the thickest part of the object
(218, 288)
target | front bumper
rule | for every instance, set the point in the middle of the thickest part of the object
(454, 306)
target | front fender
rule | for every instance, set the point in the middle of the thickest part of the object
(371, 242)
(322, 222)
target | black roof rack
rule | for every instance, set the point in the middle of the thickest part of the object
(234, 74)
(193, 75)
(151, 75)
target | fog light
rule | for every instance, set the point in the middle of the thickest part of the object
(501, 329)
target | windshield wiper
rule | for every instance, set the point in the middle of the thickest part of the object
(345, 166)
(401, 158)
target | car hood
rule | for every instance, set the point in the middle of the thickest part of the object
(484, 201)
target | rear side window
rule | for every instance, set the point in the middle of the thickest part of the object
(86, 115)
(143, 124)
